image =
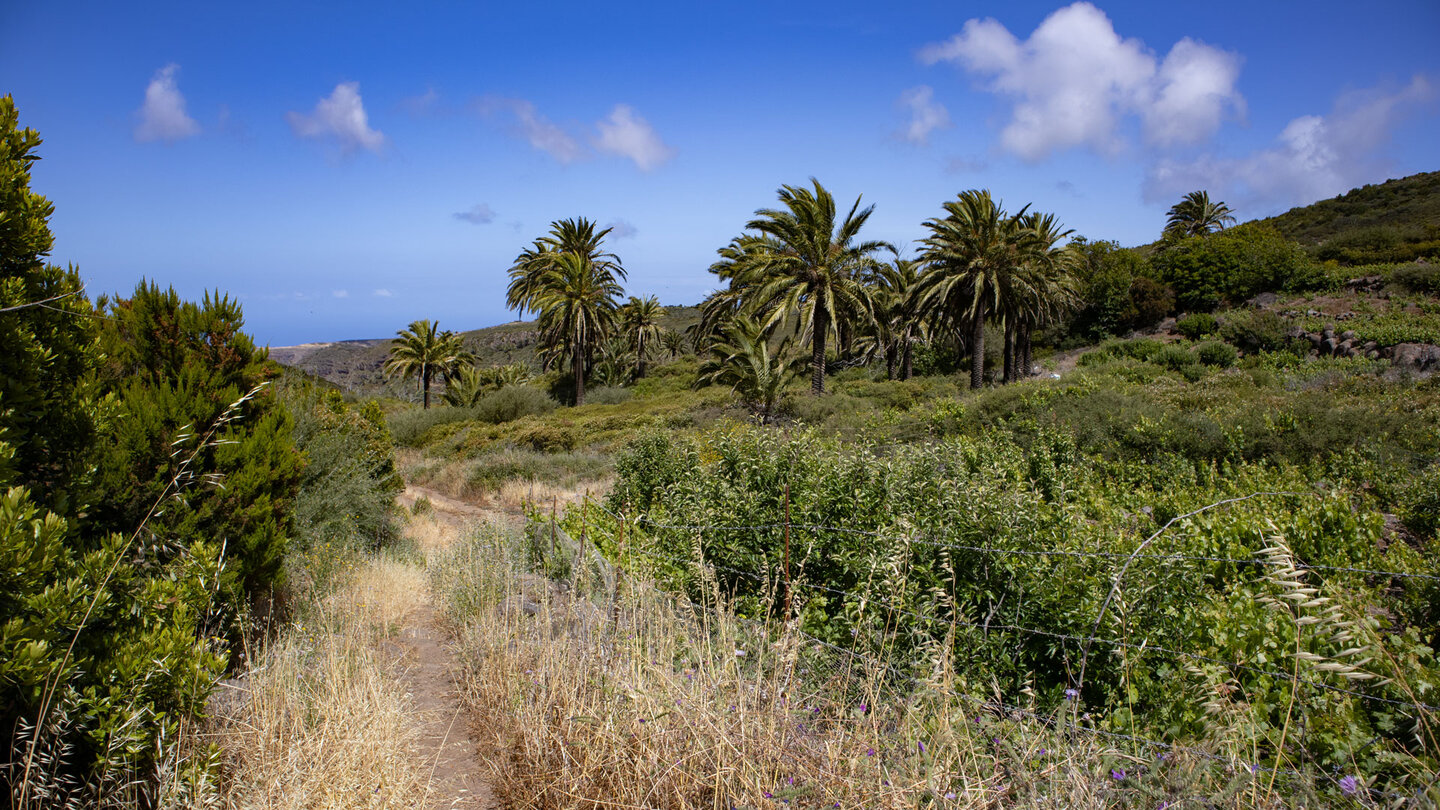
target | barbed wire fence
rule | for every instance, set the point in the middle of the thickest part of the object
(587, 565)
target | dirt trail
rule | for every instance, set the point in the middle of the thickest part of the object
(448, 739)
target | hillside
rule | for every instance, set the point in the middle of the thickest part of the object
(1398, 220)
(356, 364)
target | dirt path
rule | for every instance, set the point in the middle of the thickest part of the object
(448, 739)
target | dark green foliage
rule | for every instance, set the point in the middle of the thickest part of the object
(989, 491)
(347, 493)
(46, 352)
(1420, 503)
(1215, 353)
(1197, 325)
(512, 402)
(1260, 331)
(409, 428)
(1175, 357)
(1418, 278)
(608, 395)
(191, 434)
(1407, 206)
(1233, 265)
(1117, 292)
(493, 470)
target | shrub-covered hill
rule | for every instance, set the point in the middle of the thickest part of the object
(1394, 221)
(356, 365)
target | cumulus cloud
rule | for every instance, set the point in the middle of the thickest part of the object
(628, 135)
(926, 114)
(163, 116)
(1074, 81)
(341, 117)
(620, 229)
(383, 293)
(1312, 158)
(535, 128)
(480, 214)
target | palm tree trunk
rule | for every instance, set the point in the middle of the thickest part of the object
(907, 362)
(890, 352)
(640, 355)
(817, 359)
(977, 348)
(1025, 348)
(1009, 350)
(577, 366)
(425, 385)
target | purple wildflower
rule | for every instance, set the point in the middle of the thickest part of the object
(950, 795)
(790, 780)
(1071, 694)
(1118, 776)
(869, 752)
(1348, 785)
(922, 746)
(769, 795)
(864, 707)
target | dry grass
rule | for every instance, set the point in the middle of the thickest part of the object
(318, 722)
(644, 702)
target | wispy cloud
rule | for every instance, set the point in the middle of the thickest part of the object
(535, 128)
(383, 293)
(620, 229)
(163, 116)
(626, 134)
(340, 117)
(422, 104)
(480, 214)
(926, 114)
(1313, 157)
(1074, 80)
(341, 293)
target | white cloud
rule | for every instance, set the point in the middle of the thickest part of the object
(480, 214)
(1313, 157)
(341, 293)
(620, 229)
(163, 116)
(1075, 79)
(926, 114)
(536, 129)
(342, 117)
(628, 135)
(383, 293)
(422, 104)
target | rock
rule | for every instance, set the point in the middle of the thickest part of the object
(1295, 332)
(1327, 333)
(1310, 313)
(1365, 284)
(1264, 299)
(1370, 346)
(1348, 334)
(1315, 341)
(1345, 349)
(1373, 355)
(1328, 346)
(1416, 356)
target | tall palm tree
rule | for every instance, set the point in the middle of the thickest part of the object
(641, 320)
(1196, 215)
(971, 257)
(572, 282)
(808, 266)
(576, 302)
(743, 359)
(673, 341)
(1049, 288)
(422, 351)
(897, 328)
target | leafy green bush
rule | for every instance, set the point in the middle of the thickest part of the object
(608, 395)
(1215, 353)
(1420, 504)
(1197, 325)
(1234, 265)
(548, 438)
(1116, 291)
(512, 402)
(1175, 357)
(1418, 278)
(409, 427)
(1260, 331)
(492, 470)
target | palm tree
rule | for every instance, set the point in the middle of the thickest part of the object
(673, 341)
(470, 384)
(1049, 287)
(641, 320)
(1197, 216)
(423, 350)
(743, 359)
(971, 256)
(807, 267)
(572, 282)
(576, 301)
(897, 328)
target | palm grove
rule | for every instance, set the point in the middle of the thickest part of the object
(804, 291)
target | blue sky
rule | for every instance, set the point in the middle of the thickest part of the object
(344, 170)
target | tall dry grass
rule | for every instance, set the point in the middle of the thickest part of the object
(634, 699)
(320, 720)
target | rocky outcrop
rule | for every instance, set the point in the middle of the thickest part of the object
(1421, 357)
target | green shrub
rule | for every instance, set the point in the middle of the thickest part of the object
(492, 470)
(1418, 278)
(512, 402)
(1259, 331)
(1419, 505)
(409, 427)
(1175, 357)
(1197, 325)
(1215, 353)
(608, 395)
(1234, 265)
(548, 438)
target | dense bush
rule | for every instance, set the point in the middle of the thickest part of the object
(1234, 265)
(1197, 325)
(1379, 244)
(1215, 353)
(932, 509)
(608, 395)
(1260, 331)
(410, 427)
(512, 402)
(1419, 278)
(1175, 357)
(1117, 292)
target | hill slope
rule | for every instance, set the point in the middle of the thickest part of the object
(1398, 220)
